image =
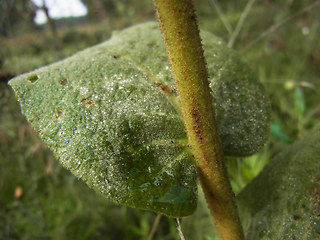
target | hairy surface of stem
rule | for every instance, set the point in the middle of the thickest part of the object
(180, 32)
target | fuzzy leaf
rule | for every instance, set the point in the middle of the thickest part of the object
(283, 202)
(111, 115)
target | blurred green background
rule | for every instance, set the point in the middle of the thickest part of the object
(41, 200)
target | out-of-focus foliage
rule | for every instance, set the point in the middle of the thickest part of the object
(16, 15)
(33, 50)
(127, 10)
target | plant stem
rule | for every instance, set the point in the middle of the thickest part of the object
(240, 23)
(181, 35)
(155, 226)
(221, 16)
(180, 230)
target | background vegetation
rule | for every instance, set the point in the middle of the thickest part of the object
(41, 200)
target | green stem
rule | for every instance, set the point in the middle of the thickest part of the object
(181, 35)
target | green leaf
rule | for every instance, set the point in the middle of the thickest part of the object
(277, 131)
(300, 106)
(111, 115)
(241, 107)
(283, 202)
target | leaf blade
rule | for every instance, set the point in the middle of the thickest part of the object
(283, 201)
(110, 114)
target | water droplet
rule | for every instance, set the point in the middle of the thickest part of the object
(157, 183)
(170, 173)
(84, 90)
(59, 113)
(106, 181)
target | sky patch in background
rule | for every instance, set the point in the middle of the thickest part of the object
(60, 9)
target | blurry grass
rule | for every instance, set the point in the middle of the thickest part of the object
(33, 50)
(55, 205)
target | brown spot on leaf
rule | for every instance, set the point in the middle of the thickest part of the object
(63, 81)
(151, 44)
(164, 88)
(59, 113)
(296, 217)
(88, 103)
(33, 78)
